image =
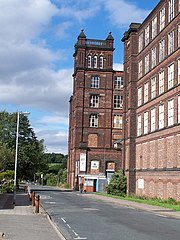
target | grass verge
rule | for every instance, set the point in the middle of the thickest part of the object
(165, 203)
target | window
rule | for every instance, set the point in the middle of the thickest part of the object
(89, 61)
(117, 101)
(171, 112)
(161, 82)
(101, 62)
(178, 35)
(94, 81)
(153, 119)
(117, 121)
(153, 87)
(178, 71)
(139, 130)
(139, 96)
(171, 42)
(94, 101)
(93, 120)
(161, 116)
(161, 50)
(171, 76)
(153, 57)
(140, 42)
(146, 69)
(170, 10)
(178, 109)
(118, 82)
(140, 69)
(95, 61)
(147, 35)
(162, 19)
(146, 89)
(145, 122)
(154, 27)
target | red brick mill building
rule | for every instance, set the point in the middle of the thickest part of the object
(149, 147)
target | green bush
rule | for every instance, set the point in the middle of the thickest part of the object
(117, 185)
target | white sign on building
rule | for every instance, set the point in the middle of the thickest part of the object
(95, 165)
(141, 183)
(82, 162)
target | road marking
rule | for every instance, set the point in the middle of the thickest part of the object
(63, 219)
(69, 226)
(80, 238)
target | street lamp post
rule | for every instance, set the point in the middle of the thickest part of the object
(16, 156)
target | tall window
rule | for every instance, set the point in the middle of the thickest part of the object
(154, 27)
(161, 116)
(139, 96)
(161, 82)
(95, 62)
(170, 10)
(162, 19)
(117, 121)
(94, 101)
(161, 50)
(178, 71)
(178, 35)
(153, 119)
(93, 120)
(140, 42)
(139, 127)
(171, 76)
(89, 61)
(94, 81)
(140, 69)
(101, 62)
(146, 89)
(117, 101)
(146, 67)
(145, 122)
(118, 82)
(171, 112)
(153, 57)
(147, 35)
(179, 109)
(171, 42)
(153, 87)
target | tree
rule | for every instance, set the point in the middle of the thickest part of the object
(30, 149)
(117, 185)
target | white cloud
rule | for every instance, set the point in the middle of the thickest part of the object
(118, 66)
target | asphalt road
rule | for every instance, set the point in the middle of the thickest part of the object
(82, 218)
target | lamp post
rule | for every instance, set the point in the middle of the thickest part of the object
(16, 154)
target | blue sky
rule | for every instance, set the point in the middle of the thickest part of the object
(36, 47)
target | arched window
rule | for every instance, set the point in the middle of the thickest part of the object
(89, 61)
(95, 62)
(101, 62)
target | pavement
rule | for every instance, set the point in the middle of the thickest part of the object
(21, 222)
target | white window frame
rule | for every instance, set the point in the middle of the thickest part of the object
(101, 62)
(171, 76)
(118, 104)
(89, 61)
(171, 42)
(161, 50)
(146, 63)
(154, 27)
(162, 18)
(118, 82)
(95, 81)
(153, 119)
(153, 57)
(118, 120)
(140, 42)
(139, 96)
(95, 62)
(146, 92)
(179, 35)
(146, 122)
(146, 35)
(178, 71)
(161, 82)
(178, 109)
(140, 69)
(139, 125)
(161, 116)
(93, 120)
(170, 10)
(94, 101)
(153, 87)
(171, 112)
